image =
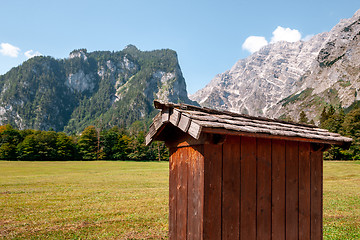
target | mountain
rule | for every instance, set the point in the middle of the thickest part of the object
(283, 78)
(111, 88)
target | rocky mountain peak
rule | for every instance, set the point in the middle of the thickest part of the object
(269, 81)
(115, 88)
(80, 53)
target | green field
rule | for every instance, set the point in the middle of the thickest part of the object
(342, 200)
(128, 200)
(83, 200)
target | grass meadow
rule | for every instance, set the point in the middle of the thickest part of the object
(83, 200)
(129, 200)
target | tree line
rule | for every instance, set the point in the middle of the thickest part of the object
(129, 144)
(337, 120)
(92, 144)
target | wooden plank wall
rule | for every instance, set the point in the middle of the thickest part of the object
(247, 188)
(186, 193)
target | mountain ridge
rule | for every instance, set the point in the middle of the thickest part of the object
(88, 88)
(263, 83)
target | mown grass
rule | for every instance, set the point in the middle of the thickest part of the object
(342, 200)
(83, 200)
(129, 200)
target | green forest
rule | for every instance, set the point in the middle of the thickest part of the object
(92, 144)
(345, 121)
(116, 88)
(96, 143)
(103, 143)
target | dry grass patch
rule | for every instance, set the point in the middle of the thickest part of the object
(73, 200)
(129, 200)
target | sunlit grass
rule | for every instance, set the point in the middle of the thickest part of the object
(73, 200)
(129, 200)
(342, 200)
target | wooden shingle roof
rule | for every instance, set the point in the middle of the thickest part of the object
(196, 120)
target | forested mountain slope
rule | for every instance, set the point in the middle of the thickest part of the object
(90, 88)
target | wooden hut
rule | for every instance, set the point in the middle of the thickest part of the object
(234, 176)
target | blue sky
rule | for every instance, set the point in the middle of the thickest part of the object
(207, 35)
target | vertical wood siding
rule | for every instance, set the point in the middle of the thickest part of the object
(195, 193)
(278, 221)
(246, 188)
(316, 194)
(173, 165)
(231, 189)
(263, 189)
(212, 190)
(304, 191)
(292, 190)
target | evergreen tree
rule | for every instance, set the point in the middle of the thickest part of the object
(88, 143)
(351, 128)
(123, 147)
(65, 147)
(323, 116)
(39, 146)
(9, 139)
(303, 118)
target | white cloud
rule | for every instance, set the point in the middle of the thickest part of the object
(31, 53)
(254, 43)
(9, 50)
(285, 34)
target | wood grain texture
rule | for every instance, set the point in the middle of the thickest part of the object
(264, 135)
(175, 117)
(165, 115)
(194, 130)
(248, 189)
(223, 122)
(157, 120)
(195, 193)
(292, 190)
(182, 196)
(304, 191)
(263, 189)
(212, 189)
(316, 194)
(231, 188)
(278, 190)
(173, 167)
(184, 123)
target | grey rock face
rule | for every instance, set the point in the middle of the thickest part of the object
(335, 76)
(80, 81)
(260, 84)
(256, 84)
(116, 88)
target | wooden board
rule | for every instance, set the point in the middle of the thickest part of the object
(304, 191)
(263, 189)
(248, 189)
(278, 190)
(292, 190)
(165, 115)
(182, 196)
(172, 192)
(194, 130)
(184, 123)
(231, 188)
(195, 193)
(316, 194)
(212, 189)
(175, 117)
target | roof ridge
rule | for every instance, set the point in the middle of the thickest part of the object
(161, 105)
